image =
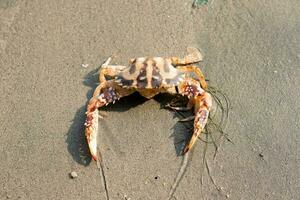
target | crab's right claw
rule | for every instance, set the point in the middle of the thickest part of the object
(107, 92)
(91, 126)
(203, 104)
(103, 95)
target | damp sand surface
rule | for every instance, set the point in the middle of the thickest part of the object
(50, 50)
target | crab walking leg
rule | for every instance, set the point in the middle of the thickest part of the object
(109, 70)
(104, 94)
(197, 71)
(203, 104)
(193, 56)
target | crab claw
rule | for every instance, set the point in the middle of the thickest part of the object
(104, 94)
(91, 125)
(203, 104)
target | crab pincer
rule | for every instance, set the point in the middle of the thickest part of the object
(201, 101)
(202, 107)
(107, 92)
(106, 95)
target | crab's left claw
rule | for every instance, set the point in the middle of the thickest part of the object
(203, 104)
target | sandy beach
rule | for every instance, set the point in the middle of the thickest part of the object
(51, 50)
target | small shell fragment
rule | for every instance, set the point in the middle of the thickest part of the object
(73, 175)
(84, 65)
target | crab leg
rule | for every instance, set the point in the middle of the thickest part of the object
(197, 71)
(188, 107)
(109, 70)
(203, 104)
(184, 65)
(104, 94)
(193, 56)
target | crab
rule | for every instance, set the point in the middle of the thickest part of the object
(149, 76)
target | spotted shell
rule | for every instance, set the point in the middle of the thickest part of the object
(149, 73)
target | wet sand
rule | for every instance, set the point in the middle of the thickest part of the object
(251, 52)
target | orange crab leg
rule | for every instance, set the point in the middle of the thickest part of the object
(197, 71)
(104, 94)
(203, 104)
(109, 70)
(184, 65)
(193, 56)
